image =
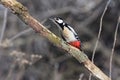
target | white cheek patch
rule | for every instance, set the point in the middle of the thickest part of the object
(60, 21)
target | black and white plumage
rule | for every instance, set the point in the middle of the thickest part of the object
(68, 32)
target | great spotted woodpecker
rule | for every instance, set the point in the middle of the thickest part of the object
(68, 33)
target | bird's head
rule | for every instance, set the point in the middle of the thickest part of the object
(59, 22)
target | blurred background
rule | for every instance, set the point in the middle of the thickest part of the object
(19, 42)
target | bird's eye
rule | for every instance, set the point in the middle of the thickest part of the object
(57, 18)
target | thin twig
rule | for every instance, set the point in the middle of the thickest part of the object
(100, 29)
(4, 25)
(8, 42)
(81, 76)
(99, 34)
(10, 71)
(111, 56)
(20, 33)
(23, 32)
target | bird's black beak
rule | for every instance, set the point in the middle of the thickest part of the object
(51, 19)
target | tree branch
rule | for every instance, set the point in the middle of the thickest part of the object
(21, 11)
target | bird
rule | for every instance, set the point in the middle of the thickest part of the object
(68, 34)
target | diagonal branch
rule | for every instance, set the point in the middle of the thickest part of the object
(4, 25)
(21, 11)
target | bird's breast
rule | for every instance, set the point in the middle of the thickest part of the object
(68, 35)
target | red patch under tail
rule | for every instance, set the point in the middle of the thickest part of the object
(76, 44)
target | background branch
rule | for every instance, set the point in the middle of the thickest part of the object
(4, 25)
(114, 43)
(99, 33)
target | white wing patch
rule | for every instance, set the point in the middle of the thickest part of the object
(72, 30)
